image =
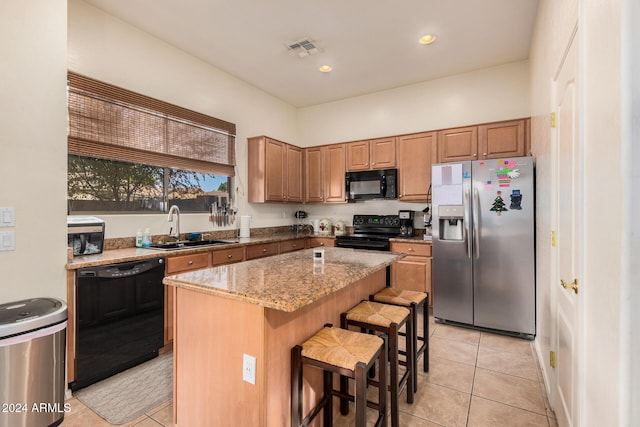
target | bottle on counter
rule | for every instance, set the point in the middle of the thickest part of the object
(146, 238)
(139, 238)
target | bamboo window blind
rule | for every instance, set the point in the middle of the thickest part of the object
(112, 123)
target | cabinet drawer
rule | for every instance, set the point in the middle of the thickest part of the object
(187, 262)
(315, 242)
(259, 251)
(291, 245)
(227, 256)
(419, 249)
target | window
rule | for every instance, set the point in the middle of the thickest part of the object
(99, 185)
(132, 153)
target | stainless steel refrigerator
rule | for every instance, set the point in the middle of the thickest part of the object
(483, 244)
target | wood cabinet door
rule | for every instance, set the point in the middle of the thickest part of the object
(294, 174)
(334, 173)
(227, 256)
(315, 242)
(458, 144)
(263, 250)
(292, 245)
(382, 153)
(314, 174)
(503, 139)
(274, 170)
(358, 156)
(416, 154)
(176, 264)
(410, 273)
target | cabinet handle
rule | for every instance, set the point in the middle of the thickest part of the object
(410, 249)
(321, 244)
(475, 155)
(190, 262)
(373, 163)
(294, 245)
(366, 164)
(484, 154)
(229, 256)
(264, 250)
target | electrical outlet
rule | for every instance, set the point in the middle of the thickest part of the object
(249, 369)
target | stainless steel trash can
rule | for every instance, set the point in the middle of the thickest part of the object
(32, 362)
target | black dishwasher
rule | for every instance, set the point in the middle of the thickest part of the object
(119, 318)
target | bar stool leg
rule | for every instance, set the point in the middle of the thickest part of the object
(296, 386)
(425, 333)
(327, 411)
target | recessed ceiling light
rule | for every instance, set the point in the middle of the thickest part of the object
(427, 39)
(326, 68)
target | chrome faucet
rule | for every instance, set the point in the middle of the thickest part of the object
(174, 231)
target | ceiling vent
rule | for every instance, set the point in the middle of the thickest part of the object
(303, 47)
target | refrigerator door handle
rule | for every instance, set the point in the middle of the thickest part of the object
(476, 226)
(466, 222)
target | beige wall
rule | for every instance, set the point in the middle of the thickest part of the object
(33, 145)
(491, 94)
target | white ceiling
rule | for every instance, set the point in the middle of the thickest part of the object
(372, 45)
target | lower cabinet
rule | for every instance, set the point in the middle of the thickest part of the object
(292, 245)
(315, 242)
(412, 272)
(262, 250)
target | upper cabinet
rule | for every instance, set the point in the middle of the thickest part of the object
(416, 154)
(503, 139)
(371, 154)
(455, 145)
(488, 141)
(324, 174)
(275, 171)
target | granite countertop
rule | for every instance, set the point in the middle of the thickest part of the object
(135, 254)
(286, 282)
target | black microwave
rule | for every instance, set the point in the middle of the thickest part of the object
(374, 184)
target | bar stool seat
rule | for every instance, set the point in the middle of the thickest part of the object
(412, 300)
(349, 354)
(386, 319)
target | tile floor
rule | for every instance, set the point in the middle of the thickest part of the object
(475, 379)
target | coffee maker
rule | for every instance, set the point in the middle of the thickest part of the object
(406, 223)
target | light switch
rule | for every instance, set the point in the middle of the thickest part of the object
(7, 217)
(7, 240)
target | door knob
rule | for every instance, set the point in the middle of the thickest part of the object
(573, 285)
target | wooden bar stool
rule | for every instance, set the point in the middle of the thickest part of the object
(349, 354)
(412, 300)
(386, 319)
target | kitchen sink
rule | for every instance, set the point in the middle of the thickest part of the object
(186, 244)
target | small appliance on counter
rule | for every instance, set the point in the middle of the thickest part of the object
(325, 227)
(427, 222)
(406, 223)
(85, 234)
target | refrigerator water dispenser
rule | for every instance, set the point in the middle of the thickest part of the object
(451, 218)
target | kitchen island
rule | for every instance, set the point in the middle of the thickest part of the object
(259, 308)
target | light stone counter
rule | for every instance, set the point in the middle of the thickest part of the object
(286, 282)
(135, 254)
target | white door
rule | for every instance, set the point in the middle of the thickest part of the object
(565, 398)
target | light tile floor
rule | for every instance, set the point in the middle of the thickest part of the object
(475, 379)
